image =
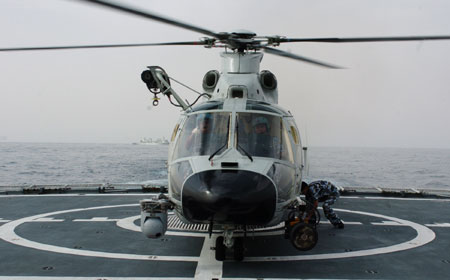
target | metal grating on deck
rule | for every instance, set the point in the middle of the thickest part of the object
(174, 223)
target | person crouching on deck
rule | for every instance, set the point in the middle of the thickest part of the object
(322, 191)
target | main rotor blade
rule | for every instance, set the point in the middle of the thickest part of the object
(134, 11)
(364, 39)
(301, 58)
(102, 46)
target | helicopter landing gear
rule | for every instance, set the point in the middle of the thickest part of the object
(220, 249)
(303, 235)
(226, 242)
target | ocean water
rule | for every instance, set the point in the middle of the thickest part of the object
(54, 163)
(381, 167)
(63, 163)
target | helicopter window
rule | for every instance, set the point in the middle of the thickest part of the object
(174, 133)
(203, 134)
(263, 135)
(211, 105)
(294, 135)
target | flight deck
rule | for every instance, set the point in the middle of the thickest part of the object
(97, 236)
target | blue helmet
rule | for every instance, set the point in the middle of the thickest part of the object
(203, 117)
(260, 120)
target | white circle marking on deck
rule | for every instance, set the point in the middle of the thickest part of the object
(7, 233)
(424, 236)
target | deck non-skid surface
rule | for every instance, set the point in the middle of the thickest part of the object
(97, 236)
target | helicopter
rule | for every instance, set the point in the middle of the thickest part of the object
(223, 171)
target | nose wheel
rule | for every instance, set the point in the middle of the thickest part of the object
(220, 249)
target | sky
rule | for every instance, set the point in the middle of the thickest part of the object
(390, 94)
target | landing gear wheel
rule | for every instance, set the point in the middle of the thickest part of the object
(220, 249)
(304, 237)
(239, 249)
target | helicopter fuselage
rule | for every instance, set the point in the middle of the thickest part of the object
(236, 159)
(227, 172)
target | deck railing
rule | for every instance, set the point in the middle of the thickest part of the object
(108, 188)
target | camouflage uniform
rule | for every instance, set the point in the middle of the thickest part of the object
(326, 192)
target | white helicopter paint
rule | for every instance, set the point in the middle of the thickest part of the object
(239, 95)
(246, 74)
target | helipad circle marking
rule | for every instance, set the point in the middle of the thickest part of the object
(424, 236)
(7, 233)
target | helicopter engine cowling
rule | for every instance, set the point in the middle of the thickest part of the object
(210, 80)
(268, 80)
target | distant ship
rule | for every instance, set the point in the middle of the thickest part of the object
(150, 141)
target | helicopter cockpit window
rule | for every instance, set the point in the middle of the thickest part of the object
(263, 135)
(203, 134)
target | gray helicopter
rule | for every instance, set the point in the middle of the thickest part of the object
(235, 158)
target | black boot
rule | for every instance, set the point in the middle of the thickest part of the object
(339, 225)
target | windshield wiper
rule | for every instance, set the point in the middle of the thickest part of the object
(245, 152)
(226, 143)
(218, 150)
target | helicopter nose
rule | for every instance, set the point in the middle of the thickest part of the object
(229, 196)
